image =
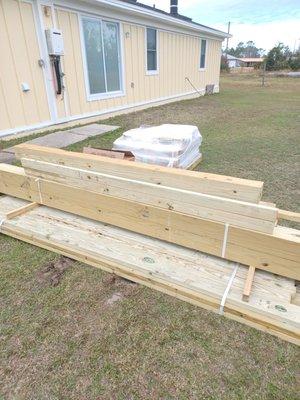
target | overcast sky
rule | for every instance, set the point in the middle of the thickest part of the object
(266, 22)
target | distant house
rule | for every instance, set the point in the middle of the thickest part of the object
(233, 62)
(66, 60)
(251, 62)
(239, 62)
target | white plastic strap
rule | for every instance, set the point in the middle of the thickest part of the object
(1, 223)
(39, 189)
(228, 287)
(225, 240)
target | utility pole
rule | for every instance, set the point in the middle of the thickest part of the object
(227, 41)
(226, 50)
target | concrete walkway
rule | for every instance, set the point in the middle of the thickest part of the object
(61, 139)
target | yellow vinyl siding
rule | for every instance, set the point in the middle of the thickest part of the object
(75, 106)
(178, 58)
(19, 63)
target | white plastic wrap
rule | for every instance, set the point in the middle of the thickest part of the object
(167, 145)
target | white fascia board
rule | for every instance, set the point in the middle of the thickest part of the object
(131, 13)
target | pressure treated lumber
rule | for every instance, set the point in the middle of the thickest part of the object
(246, 215)
(104, 153)
(188, 275)
(278, 253)
(216, 185)
(289, 215)
(248, 283)
(21, 210)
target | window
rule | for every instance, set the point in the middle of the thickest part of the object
(151, 50)
(203, 54)
(102, 56)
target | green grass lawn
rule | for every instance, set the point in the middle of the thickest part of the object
(60, 336)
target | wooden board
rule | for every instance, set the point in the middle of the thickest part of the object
(188, 275)
(195, 164)
(289, 215)
(104, 153)
(246, 215)
(123, 155)
(127, 155)
(216, 185)
(21, 210)
(278, 253)
(248, 283)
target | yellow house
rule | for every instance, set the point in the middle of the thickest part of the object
(68, 60)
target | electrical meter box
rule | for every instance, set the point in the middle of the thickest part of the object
(55, 42)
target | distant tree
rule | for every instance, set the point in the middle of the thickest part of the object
(237, 52)
(224, 64)
(294, 61)
(278, 58)
(248, 50)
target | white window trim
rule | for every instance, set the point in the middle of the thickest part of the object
(108, 95)
(154, 71)
(204, 68)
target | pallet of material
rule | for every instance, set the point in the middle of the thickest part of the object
(206, 281)
(233, 229)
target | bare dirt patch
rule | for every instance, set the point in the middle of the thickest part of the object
(51, 274)
(122, 288)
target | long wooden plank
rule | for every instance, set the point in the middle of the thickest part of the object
(216, 185)
(273, 253)
(289, 215)
(246, 215)
(104, 153)
(279, 254)
(121, 253)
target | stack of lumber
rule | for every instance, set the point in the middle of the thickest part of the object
(206, 213)
(184, 273)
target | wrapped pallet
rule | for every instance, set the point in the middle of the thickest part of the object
(167, 145)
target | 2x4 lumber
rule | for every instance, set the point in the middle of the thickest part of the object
(248, 283)
(247, 215)
(216, 185)
(85, 240)
(21, 210)
(104, 153)
(277, 254)
(289, 215)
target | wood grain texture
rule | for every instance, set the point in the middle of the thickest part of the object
(248, 283)
(278, 253)
(246, 215)
(188, 275)
(200, 182)
(21, 210)
(289, 215)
